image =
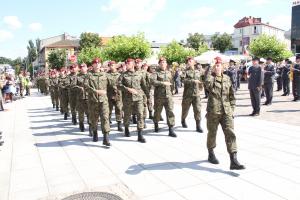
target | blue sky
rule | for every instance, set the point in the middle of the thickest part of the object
(160, 20)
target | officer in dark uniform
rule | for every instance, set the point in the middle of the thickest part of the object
(269, 76)
(232, 73)
(285, 74)
(255, 82)
(279, 78)
(296, 79)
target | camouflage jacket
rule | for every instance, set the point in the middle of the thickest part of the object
(96, 81)
(63, 82)
(221, 97)
(133, 80)
(147, 80)
(160, 89)
(72, 82)
(191, 88)
(53, 83)
(82, 80)
(112, 91)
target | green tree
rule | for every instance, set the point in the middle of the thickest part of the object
(266, 46)
(32, 54)
(88, 40)
(4, 60)
(121, 47)
(57, 59)
(197, 42)
(174, 52)
(221, 42)
(87, 55)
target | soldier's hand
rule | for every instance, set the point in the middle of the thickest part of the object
(132, 91)
(101, 92)
(167, 84)
(197, 81)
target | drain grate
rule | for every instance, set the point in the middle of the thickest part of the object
(93, 196)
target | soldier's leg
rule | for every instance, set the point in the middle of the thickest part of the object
(150, 105)
(52, 98)
(111, 106)
(197, 113)
(104, 116)
(252, 97)
(145, 107)
(169, 107)
(186, 104)
(267, 92)
(212, 128)
(127, 113)
(56, 97)
(94, 118)
(228, 129)
(118, 110)
(140, 120)
(257, 101)
(158, 106)
(81, 109)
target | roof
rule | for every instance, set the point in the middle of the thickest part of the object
(158, 45)
(249, 21)
(64, 43)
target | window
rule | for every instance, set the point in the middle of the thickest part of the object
(255, 30)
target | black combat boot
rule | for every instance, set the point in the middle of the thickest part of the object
(171, 132)
(95, 136)
(61, 111)
(74, 120)
(198, 126)
(106, 139)
(120, 127)
(141, 138)
(127, 133)
(234, 163)
(66, 116)
(53, 105)
(183, 124)
(81, 126)
(150, 115)
(134, 119)
(156, 127)
(57, 109)
(212, 158)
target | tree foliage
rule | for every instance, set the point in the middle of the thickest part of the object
(197, 41)
(121, 47)
(221, 42)
(266, 46)
(174, 52)
(31, 51)
(57, 59)
(89, 40)
(87, 55)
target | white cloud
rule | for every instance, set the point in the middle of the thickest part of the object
(229, 13)
(5, 35)
(12, 21)
(258, 2)
(281, 21)
(35, 26)
(200, 12)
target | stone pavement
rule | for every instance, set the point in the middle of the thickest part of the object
(45, 157)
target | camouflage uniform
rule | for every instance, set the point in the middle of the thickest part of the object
(220, 108)
(64, 92)
(145, 93)
(134, 102)
(149, 94)
(82, 99)
(98, 104)
(73, 94)
(191, 95)
(163, 96)
(54, 92)
(114, 96)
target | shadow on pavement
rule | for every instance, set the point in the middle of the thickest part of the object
(195, 165)
(283, 111)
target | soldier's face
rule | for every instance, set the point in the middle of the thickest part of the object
(113, 67)
(96, 67)
(218, 69)
(83, 69)
(254, 62)
(191, 62)
(163, 65)
(129, 66)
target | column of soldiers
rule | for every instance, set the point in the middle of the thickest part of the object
(94, 93)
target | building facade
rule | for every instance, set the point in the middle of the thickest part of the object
(295, 30)
(249, 28)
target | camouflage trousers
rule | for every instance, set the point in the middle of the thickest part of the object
(168, 104)
(130, 107)
(83, 108)
(226, 121)
(149, 101)
(186, 104)
(144, 107)
(96, 109)
(65, 100)
(73, 100)
(118, 109)
(54, 93)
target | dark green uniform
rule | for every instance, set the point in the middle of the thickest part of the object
(64, 92)
(82, 99)
(54, 91)
(73, 95)
(114, 96)
(163, 96)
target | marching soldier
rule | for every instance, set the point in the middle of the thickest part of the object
(162, 81)
(133, 84)
(296, 79)
(82, 104)
(73, 91)
(64, 92)
(114, 94)
(220, 108)
(53, 86)
(269, 77)
(193, 84)
(285, 74)
(149, 94)
(98, 102)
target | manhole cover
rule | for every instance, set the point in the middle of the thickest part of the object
(93, 196)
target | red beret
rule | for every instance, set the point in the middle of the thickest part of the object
(111, 63)
(138, 60)
(189, 58)
(96, 60)
(218, 60)
(129, 60)
(161, 59)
